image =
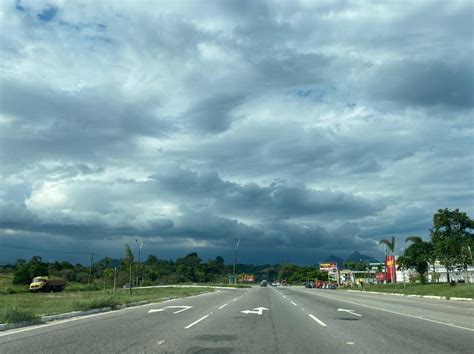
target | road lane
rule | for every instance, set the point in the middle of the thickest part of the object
(129, 330)
(376, 328)
(246, 327)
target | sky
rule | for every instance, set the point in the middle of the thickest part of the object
(301, 128)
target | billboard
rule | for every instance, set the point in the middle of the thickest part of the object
(391, 269)
(328, 266)
(246, 278)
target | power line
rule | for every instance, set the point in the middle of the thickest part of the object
(40, 250)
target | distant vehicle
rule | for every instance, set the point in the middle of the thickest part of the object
(263, 283)
(275, 283)
(45, 284)
(309, 284)
(126, 286)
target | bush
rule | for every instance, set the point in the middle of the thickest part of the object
(16, 315)
(96, 303)
(22, 276)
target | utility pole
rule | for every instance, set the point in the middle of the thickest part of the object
(139, 245)
(90, 267)
(235, 257)
(115, 280)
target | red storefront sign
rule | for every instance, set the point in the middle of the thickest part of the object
(380, 276)
(390, 269)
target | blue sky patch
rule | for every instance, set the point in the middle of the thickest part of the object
(47, 15)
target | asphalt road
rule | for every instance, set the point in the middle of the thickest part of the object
(262, 320)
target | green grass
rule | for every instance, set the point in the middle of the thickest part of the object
(39, 304)
(16, 315)
(459, 290)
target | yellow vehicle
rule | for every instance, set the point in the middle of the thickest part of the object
(45, 284)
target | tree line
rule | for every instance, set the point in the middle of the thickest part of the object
(451, 244)
(155, 271)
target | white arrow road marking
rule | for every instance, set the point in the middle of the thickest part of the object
(317, 320)
(257, 310)
(349, 311)
(183, 308)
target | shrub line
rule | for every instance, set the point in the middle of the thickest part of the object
(414, 295)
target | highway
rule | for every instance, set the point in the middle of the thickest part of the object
(261, 320)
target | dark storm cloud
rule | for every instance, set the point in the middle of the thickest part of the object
(59, 124)
(274, 201)
(213, 115)
(426, 83)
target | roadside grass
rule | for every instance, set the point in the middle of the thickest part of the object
(16, 315)
(40, 304)
(6, 286)
(459, 290)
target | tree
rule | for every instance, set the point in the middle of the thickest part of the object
(453, 239)
(22, 275)
(189, 268)
(390, 244)
(430, 257)
(129, 262)
(417, 256)
(108, 274)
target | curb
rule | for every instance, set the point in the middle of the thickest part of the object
(67, 315)
(417, 296)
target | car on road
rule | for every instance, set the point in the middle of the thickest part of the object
(263, 283)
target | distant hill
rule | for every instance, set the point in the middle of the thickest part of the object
(357, 257)
(353, 257)
(333, 258)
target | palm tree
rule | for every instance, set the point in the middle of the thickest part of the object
(108, 273)
(129, 260)
(414, 239)
(390, 244)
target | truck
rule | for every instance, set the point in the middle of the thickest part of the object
(45, 284)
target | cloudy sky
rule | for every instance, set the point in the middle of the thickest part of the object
(303, 128)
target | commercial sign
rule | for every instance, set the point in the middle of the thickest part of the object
(246, 278)
(328, 266)
(391, 269)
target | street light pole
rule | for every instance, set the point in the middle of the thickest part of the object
(235, 256)
(139, 245)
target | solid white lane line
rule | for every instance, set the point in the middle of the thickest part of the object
(317, 320)
(196, 322)
(399, 313)
(220, 308)
(294, 303)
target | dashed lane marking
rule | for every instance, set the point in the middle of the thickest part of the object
(220, 308)
(317, 320)
(196, 322)
(294, 303)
